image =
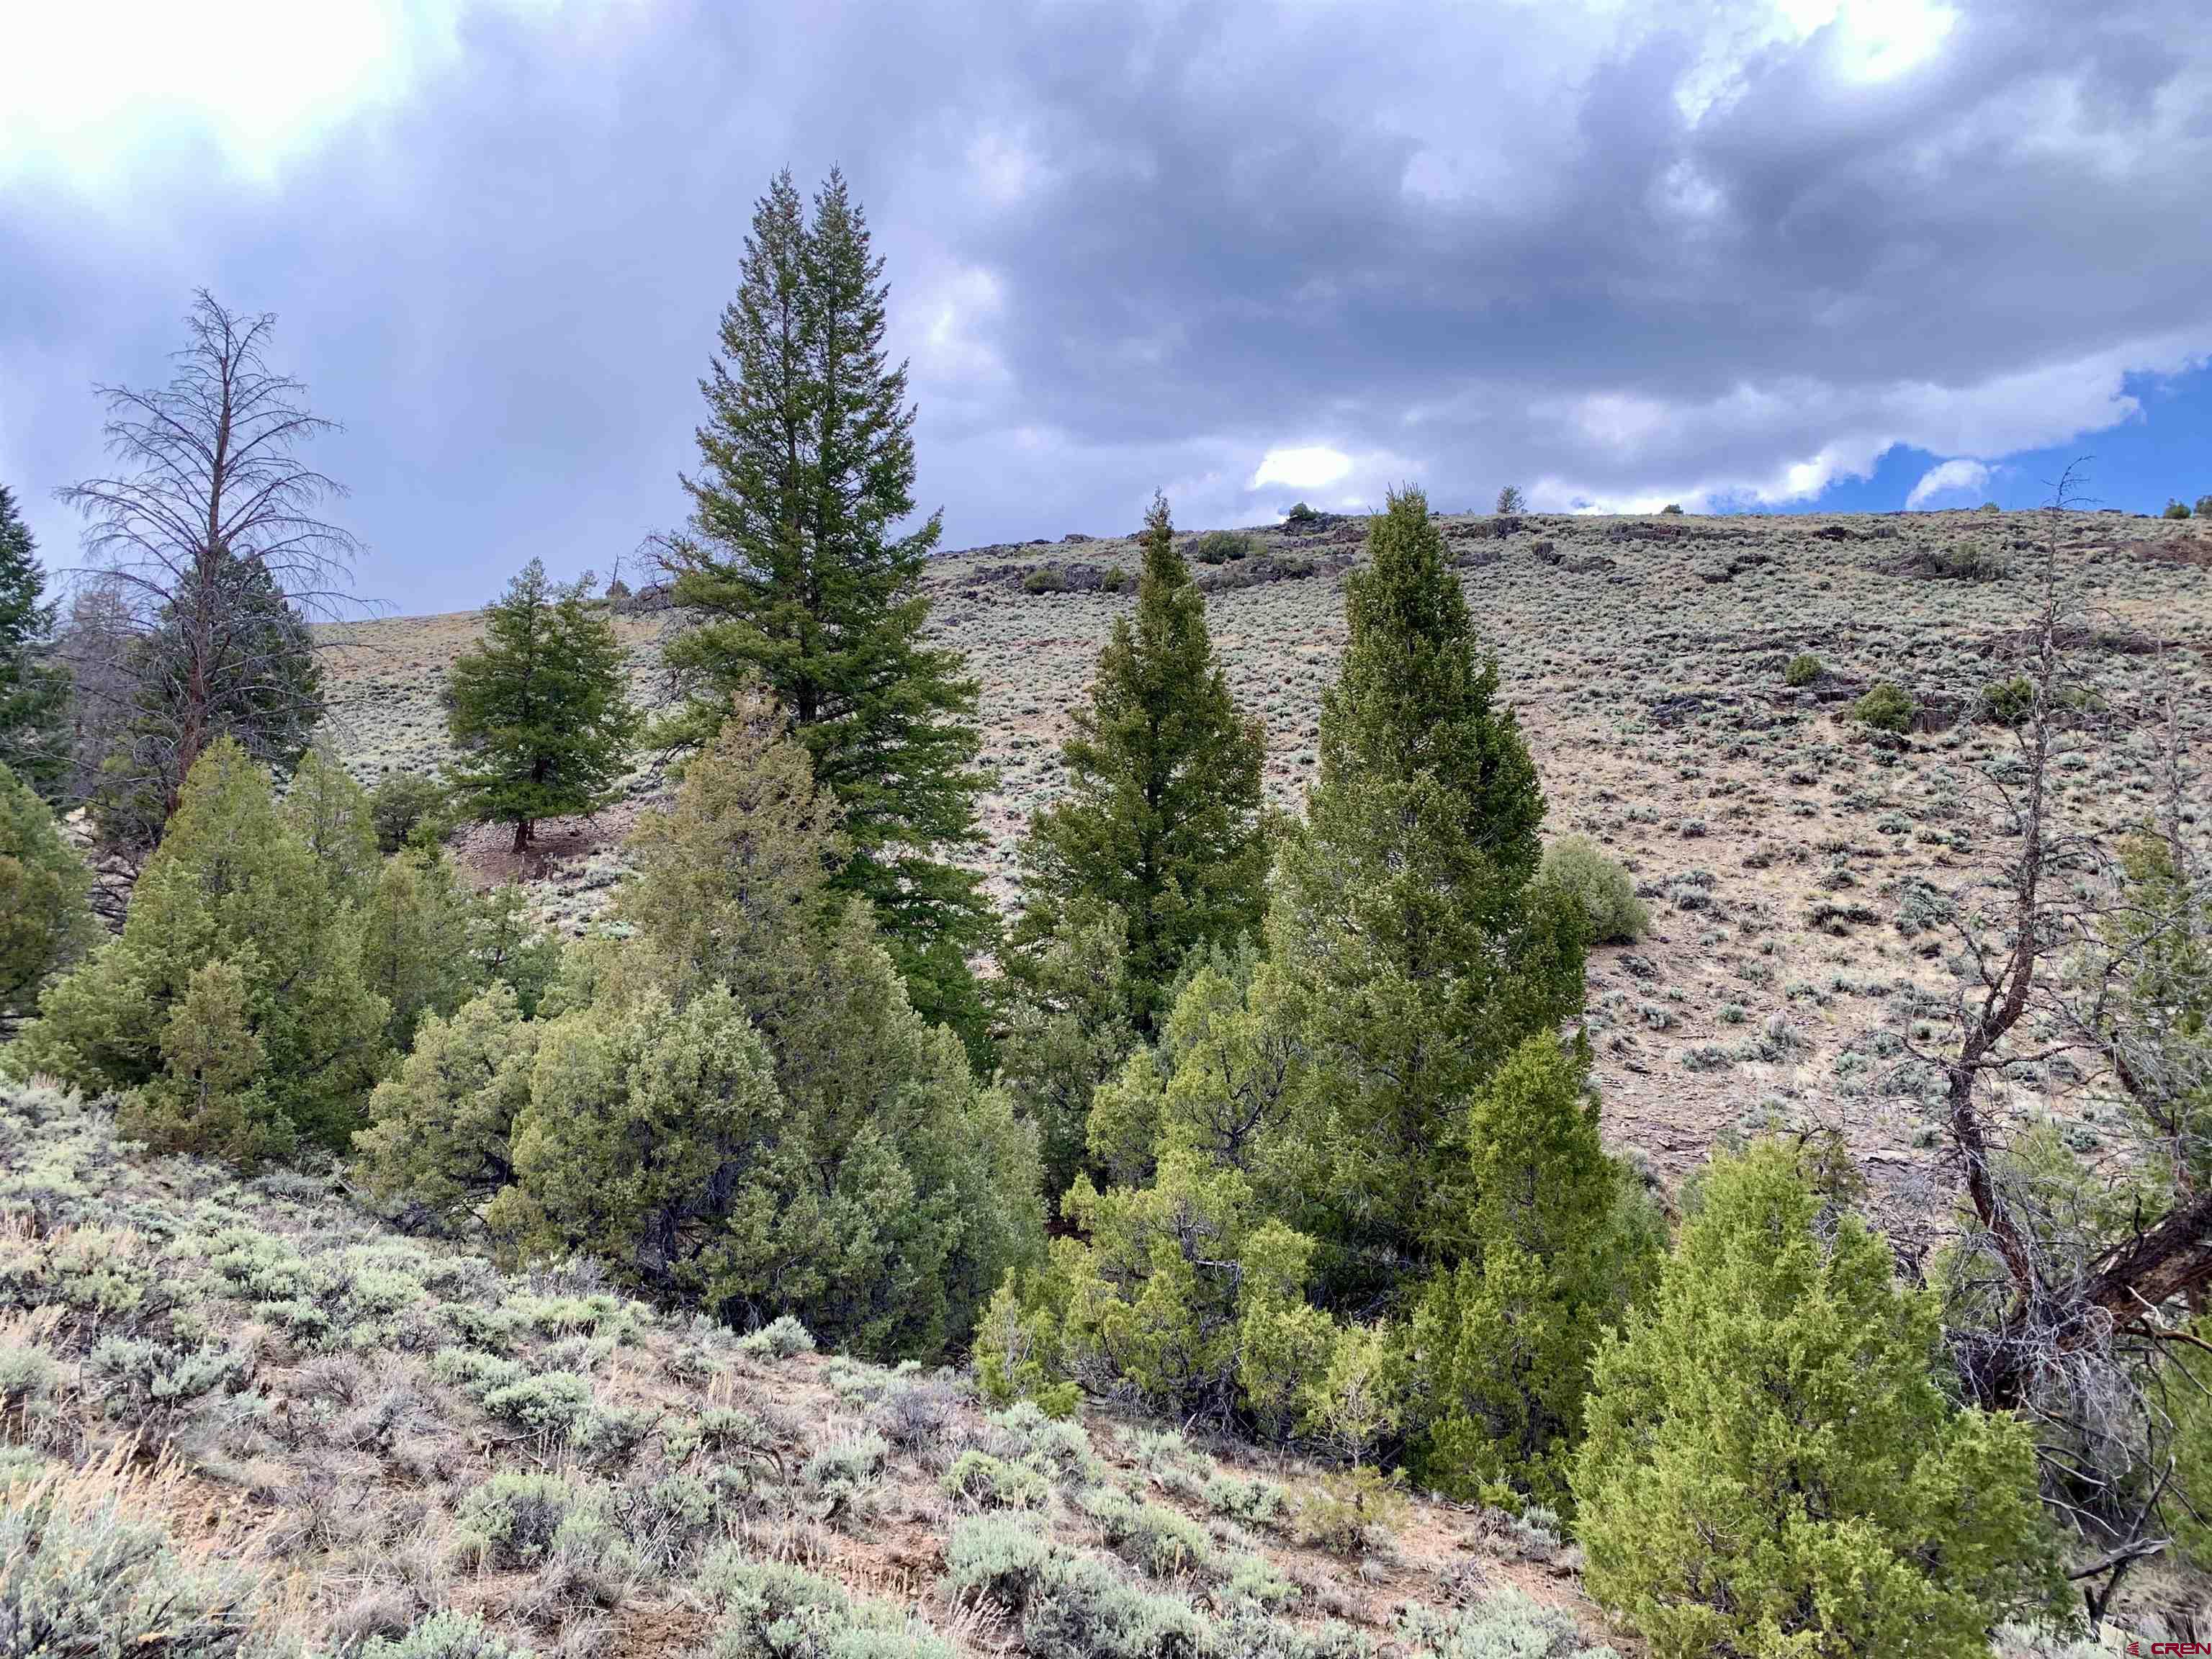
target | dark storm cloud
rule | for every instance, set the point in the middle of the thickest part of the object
(1683, 251)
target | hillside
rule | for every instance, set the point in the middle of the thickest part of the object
(1794, 862)
(264, 1424)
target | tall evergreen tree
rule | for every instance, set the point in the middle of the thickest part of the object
(252, 656)
(1163, 819)
(34, 690)
(1416, 945)
(539, 710)
(795, 574)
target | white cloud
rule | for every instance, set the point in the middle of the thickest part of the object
(97, 88)
(1314, 466)
(1959, 477)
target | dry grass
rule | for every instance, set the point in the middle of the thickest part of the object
(343, 1460)
(1789, 856)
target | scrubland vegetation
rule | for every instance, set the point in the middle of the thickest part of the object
(1426, 1084)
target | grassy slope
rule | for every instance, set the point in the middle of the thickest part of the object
(1779, 848)
(294, 1397)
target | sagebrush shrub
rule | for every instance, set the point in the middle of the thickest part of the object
(1223, 547)
(1577, 866)
(86, 1569)
(445, 1634)
(1802, 669)
(512, 1519)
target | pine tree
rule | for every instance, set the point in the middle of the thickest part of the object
(1772, 1467)
(796, 574)
(263, 690)
(1163, 819)
(1415, 948)
(34, 690)
(539, 710)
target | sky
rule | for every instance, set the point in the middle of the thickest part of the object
(1743, 255)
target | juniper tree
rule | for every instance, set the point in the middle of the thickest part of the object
(45, 916)
(1417, 948)
(793, 570)
(539, 711)
(1772, 1466)
(232, 888)
(1163, 819)
(33, 688)
(1559, 1240)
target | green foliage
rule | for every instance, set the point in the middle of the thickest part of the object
(330, 813)
(1510, 500)
(2189, 1403)
(983, 1481)
(1163, 818)
(235, 635)
(233, 883)
(1772, 1466)
(1045, 578)
(1802, 669)
(418, 927)
(1349, 1509)
(792, 568)
(45, 919)
(437, 1145)
(1301, 514)
(2204, 506)
(845, 1170)
(2009, 702)
(1559, 1242)
(539, 711)
(1187, 1293)
(1575, 865)
(1416, 946)
(405, 805)
(731, 882)
(1069, 1026)
(2161, 1017)
(34, 741)
(1223, 547)
(1671, 508)
(1885, 707)
(2175, 510)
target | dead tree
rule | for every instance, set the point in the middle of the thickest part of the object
(210, 512)
(2055, 1312)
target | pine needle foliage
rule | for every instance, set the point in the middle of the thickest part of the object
(33, 688)
(1416, 947)
(1163, 819)
(539, 711)
(794, 570)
